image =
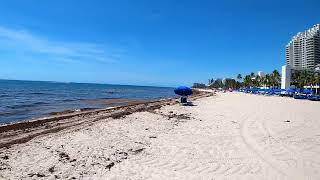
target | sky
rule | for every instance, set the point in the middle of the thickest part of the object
(143, 42)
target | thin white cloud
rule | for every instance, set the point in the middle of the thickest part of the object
(28, 43)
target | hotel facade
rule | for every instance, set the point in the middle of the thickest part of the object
(302, 53)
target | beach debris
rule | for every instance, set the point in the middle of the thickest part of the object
(96, 163)
(47, 126)
(233, 121)
(36, 174)
(4, 166)
(139, 143)
(5, 157)
(109, 166)
(125, 153)
(137, 151)
(152, 136)
(120, 114)
(287, 121)
(51, 169)
(63, 156)
(146, 129)
(179, 116)
(61, 112)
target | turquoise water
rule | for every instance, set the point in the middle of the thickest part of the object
(24, 100)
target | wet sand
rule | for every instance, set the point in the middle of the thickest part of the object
(228, 136)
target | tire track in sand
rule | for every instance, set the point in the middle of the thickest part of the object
(253, 146)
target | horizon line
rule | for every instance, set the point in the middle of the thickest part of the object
(1, 79)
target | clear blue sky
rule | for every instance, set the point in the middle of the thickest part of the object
(158, 42)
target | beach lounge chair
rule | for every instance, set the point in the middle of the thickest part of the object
(314, 98)
(300, 97)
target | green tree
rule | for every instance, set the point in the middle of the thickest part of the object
(257, 81)
(302, 78)
(239, 77)
(315, 79)
(216, 84)
(267, 80)
(247, 81)
(275, 78)
(230, 83)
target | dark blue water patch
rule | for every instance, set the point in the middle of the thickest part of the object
(23, 100)
(40, 93)
(19, 106)
(68, 100)
(107, 98)
(15, 112)
(73, 100)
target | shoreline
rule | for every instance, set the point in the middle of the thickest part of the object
(27, 100)
(108, 103)
(24, 131)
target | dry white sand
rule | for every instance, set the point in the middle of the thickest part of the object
(228, 136)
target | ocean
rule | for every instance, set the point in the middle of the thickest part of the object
(25, 100)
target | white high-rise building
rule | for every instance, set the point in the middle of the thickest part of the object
(303, 51)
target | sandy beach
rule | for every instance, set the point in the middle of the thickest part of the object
(226, 136)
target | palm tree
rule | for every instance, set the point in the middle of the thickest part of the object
(275, 78)
(303, 78)
(295, 78)
(247, 81)
(267, 80)
(211, 81)
(316, 81)
(257, 81)
(239, 77)
(263, 81)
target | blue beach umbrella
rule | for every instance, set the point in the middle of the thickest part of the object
(277, 90)
(307, 91)
(270, 90)
(183, 91)
(291, 91)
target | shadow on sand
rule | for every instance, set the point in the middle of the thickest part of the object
(188, 104)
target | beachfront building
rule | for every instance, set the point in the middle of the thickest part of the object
(286, 77)
(302, 53)
(317, 68)
(261, 74)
